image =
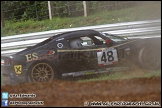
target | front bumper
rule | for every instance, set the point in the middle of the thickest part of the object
(8, 72)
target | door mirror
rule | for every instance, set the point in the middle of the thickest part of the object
(108, 42)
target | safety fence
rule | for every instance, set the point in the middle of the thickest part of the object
(138, 29)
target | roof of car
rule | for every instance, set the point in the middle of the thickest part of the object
(73, 34)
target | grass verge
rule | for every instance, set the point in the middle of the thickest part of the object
(126, 75)
(115, 75)
(146, 12)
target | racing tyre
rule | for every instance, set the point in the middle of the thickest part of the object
(150, 58)
(41, 72)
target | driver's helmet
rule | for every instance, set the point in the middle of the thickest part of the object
(76, 43)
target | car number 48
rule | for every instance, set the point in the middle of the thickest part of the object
(107, 56)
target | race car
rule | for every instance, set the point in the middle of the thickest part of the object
(72, 53)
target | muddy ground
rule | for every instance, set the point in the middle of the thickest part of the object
(72, 93)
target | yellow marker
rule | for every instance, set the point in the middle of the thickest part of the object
(18, 69)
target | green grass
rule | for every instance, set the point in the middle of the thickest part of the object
(146, 12)
(117, 75)
(3, 79)
(126, 75)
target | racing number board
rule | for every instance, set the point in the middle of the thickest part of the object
(107, 57)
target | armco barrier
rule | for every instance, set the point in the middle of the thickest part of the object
(16, 43)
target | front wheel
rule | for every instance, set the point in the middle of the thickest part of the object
(41, 72)
(150, 57)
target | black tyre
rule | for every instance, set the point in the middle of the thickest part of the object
(150, 57)
(41, 72)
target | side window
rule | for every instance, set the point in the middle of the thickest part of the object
(75, 42)
(92, 41)
(85, 41)
(80, 42)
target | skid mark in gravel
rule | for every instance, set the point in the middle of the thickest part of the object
(68, 93)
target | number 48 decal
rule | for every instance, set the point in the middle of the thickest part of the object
(107, 57)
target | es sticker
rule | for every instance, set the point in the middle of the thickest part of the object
(30, 57)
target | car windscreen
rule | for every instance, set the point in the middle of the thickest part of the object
(114, 38)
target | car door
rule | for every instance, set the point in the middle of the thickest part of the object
(71, 59)
(90, 54)
(100, 53)
(86, 55)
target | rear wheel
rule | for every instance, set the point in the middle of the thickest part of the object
(41, 72)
